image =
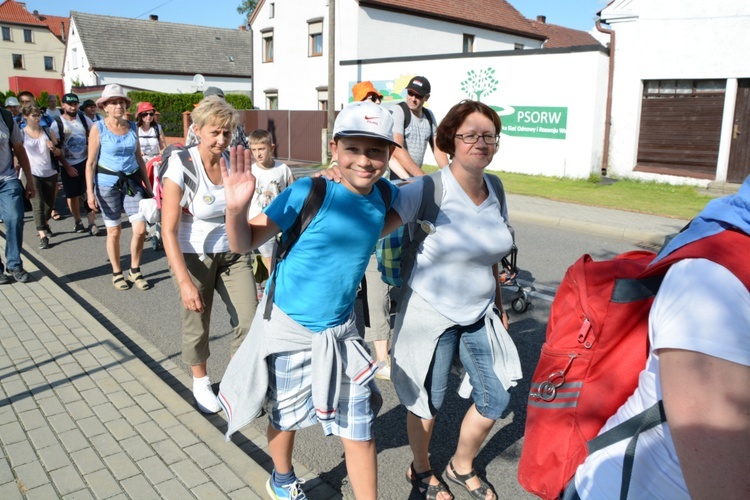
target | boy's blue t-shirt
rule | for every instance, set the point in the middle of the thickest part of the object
(316, 284)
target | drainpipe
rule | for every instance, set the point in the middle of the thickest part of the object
(608, 118)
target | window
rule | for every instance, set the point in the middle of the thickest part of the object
(6, 34)
(271, 10)
(468, 43)
(17, 61)
(49, 63)
(272, 99)
(518, 46)
(75, 58)
(27, 36)
(315, 31)
(267, 45)
(322, 98)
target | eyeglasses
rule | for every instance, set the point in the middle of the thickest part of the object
(373, 98)
(489, 139)
(414, 94)
(148, 113)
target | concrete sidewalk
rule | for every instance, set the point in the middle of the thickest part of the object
(82, 416)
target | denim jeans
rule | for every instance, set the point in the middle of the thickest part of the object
(475, 354)
(11, 212)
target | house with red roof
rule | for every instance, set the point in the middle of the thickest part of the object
(32, 48)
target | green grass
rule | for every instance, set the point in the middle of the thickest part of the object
(683, 202)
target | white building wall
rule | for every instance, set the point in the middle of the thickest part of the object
(573, 82)
(670, 39)
(174, 84)
(44, 43)
(77, 67)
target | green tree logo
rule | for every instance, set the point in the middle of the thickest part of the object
(479, 83)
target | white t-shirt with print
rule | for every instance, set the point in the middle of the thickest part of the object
(73, 138)
(269, 182)
(204, 232)
(700, 307)
(453, 270)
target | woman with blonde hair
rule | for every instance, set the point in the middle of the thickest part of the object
(115, 180)
(197, 246)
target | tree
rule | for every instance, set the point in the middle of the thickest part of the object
(480, 82)
(247, 7)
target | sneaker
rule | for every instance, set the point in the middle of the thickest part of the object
(384, 373)
(292, 491)
(93, 229)
(4, 280)
(49, 232)
(21, 276)
(43, 243)
(204, 396)
(79, 227)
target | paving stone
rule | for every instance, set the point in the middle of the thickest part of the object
(87, 461)
(137, 448)
(42, 437)
(182, 436)
(244, 494)
(134, 388)
(9, 491)
(12, 433)
(94, 397)
(80, 410)
(136, 416)
(32, 419)
(207, 490)
(189, 473)
(121, 429)
(91, 426)
(6, 473)
(84, 494)
(139, 487)
(73, 440)
(53, 457)
(68, 393)
(102, 483)
(173, 489)
(155, 470)
(169, 451)
(105, 445)
(202, 455)
(67, 480)
(121, 466)
(24, 402)
(151, 432)
(20, 453)
(164, 418)
(62, 423)
(121, 399)
(31, 475)
(84, 384)
(109, 385)
(148, 402)
(50, 406)
(224, 477)
(43, 492)
(7, 415)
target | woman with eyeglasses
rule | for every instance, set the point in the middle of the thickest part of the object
(116, 181)
(451, 305)
(150, 134)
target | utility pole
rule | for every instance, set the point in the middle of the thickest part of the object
(331, 70)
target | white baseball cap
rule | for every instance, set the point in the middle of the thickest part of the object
(11, 101)
(364, 119)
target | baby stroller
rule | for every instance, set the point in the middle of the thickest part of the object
(508, 277)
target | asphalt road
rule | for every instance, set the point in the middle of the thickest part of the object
(544, 254)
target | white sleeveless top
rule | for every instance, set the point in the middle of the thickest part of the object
(39, 155)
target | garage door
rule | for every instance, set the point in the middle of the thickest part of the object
(680, 127)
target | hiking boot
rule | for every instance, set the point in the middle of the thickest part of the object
(204, 396)
(93, 229)
(79, 227)
(292, 491)
(20, 275)
(49, 232)
(4, 280)
(43, 243)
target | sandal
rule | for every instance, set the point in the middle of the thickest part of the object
(479, 493)
(138, 280)
(118, 281)
(426, 490)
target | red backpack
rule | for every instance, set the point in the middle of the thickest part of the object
(596, 346)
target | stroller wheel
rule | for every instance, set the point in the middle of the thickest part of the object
(519, 305)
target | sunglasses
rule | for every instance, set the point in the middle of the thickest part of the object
(148, 113)
(414, 94)
(373, 98)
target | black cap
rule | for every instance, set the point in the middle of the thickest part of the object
(419, 85)
(70, 99)
(87, 103)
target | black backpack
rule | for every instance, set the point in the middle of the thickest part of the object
(310, 208)
(10, 123)
(61, 127)
(407, 121)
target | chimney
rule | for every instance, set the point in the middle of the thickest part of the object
(541, 19)
(63, 31)
(153, 17)
(36, 14)
(242, 28)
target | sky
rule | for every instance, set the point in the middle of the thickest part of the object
(578, 14)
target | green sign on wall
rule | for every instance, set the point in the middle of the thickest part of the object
(534, 121)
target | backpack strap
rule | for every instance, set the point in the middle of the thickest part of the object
(190, 178)
(385, 193)
(429, 207)
(82, 116)
(8, 119)
(310, 208)
(407, 121)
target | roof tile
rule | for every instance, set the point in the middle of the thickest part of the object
(16, 13)
(560, 36)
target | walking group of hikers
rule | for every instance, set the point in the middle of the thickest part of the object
(643, 350)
